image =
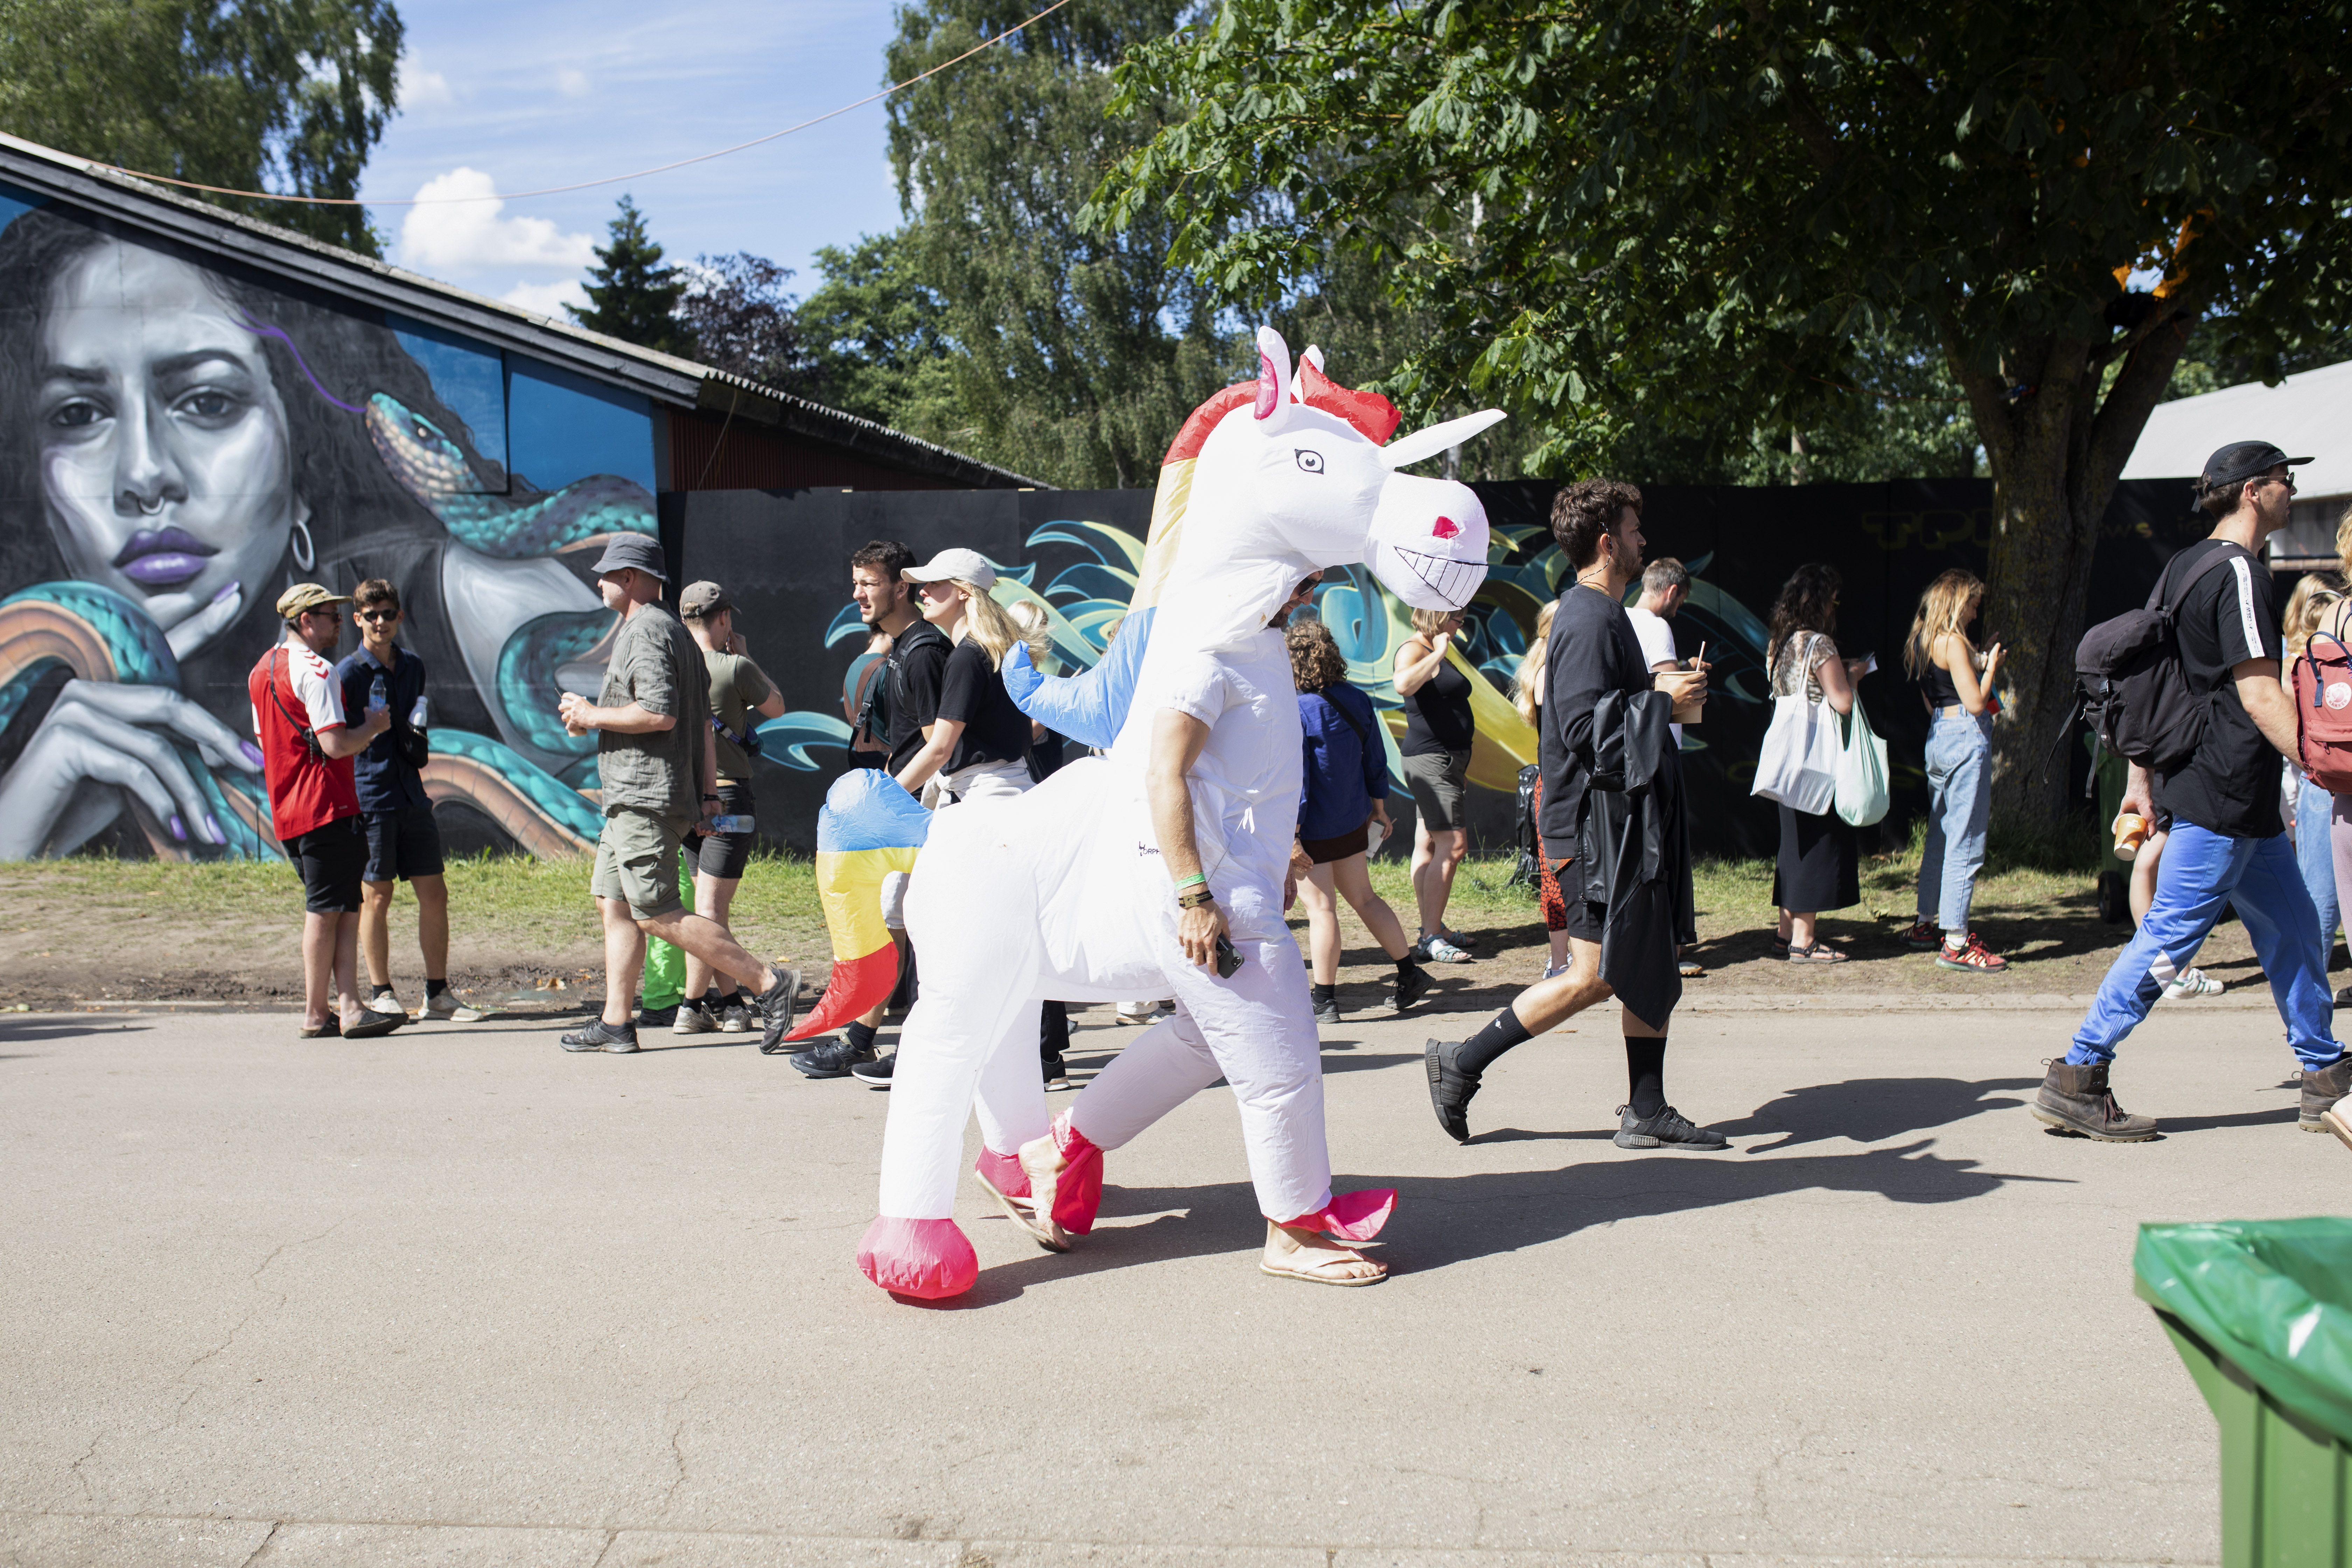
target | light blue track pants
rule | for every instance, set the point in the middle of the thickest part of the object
(1959, 805)
(2202, 870)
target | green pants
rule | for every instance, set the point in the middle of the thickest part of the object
(663, 984)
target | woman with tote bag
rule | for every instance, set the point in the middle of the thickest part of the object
(1819, 863)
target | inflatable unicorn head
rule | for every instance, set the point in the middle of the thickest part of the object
(1293, 477)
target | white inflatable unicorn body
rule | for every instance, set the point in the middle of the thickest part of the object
(1062, 892)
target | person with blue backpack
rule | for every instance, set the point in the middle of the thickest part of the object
(2191, 685)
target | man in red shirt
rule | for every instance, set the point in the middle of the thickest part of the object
(314, 807)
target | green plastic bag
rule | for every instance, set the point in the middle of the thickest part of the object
(2274, 1296)
(1861, 771)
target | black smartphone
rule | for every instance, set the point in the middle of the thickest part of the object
(1229, 963)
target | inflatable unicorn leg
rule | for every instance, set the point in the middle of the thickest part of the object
(978, 1004)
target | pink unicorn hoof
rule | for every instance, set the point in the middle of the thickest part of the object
(1351, 1216)
(926, 1258)
(1002, 1173)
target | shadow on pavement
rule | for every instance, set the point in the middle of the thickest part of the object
(1445, 1220)
(1869, 1110)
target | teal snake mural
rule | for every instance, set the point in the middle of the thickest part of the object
(179, 441)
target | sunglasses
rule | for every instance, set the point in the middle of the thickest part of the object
(379, 615)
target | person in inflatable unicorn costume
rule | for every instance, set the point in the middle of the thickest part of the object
(1090, 887)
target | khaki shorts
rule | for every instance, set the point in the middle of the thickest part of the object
(636, 860)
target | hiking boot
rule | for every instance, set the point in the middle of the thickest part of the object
(1412, 985)
(829, 1058)
(1976, 956)
(1450, 1087)
(2322, 1089)
(692, 1020)
(601, 1036)
(2076, 1100)
(774, 1006)
(1669, 1129)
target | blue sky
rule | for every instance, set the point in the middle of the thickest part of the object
(525, 94)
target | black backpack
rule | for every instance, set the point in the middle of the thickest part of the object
(2135, 691)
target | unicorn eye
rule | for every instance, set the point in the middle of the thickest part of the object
(1310, 461)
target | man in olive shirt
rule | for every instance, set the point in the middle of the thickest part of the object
(656, 760)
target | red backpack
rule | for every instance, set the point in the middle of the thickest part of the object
(2323, 712)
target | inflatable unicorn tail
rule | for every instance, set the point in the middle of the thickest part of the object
(869, 827)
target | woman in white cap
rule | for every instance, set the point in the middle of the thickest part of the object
(979, 746)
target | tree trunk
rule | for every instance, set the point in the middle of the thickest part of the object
(2055, 451)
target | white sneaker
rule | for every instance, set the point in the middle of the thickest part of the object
(2191, 983)
(387, 1003)
(448, 1009)
(1556, 971)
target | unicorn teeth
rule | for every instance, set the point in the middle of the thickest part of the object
(1451, 580)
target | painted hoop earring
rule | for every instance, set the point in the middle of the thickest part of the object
(304, 553)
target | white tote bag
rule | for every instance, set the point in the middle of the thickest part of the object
(1798, 766)
(1860, 772)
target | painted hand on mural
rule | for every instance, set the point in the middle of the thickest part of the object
(125, 737)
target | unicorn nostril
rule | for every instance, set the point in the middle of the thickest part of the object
(1446, 528)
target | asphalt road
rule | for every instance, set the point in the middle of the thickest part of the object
(457, 1297)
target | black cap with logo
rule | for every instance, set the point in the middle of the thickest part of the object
(2242, 461)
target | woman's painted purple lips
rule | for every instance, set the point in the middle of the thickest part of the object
(164, 558)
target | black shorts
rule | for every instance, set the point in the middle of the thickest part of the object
(329, 859)
(1585, 918)
(403, 844)
(724, 854)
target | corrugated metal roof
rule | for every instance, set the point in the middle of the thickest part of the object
(2309, 413)
(664, 377)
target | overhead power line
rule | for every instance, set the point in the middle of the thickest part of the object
(589, 184)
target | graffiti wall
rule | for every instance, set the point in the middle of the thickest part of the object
(179, 441)
(784, 557)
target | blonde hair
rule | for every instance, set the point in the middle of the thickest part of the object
(1426, 622)
(987, 624)
(1028, 618)
(2307, 606)
(1531, 663)
(1944, 607)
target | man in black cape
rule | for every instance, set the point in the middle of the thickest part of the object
(1612, 824)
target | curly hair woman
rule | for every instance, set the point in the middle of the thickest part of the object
(1820, 865)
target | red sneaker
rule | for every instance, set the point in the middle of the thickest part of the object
(1976, 956)
(1923, 936)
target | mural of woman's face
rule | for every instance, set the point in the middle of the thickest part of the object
(166, 470)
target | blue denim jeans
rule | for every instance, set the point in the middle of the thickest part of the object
(1960, 788)
(2314, 854)
(2201, 871)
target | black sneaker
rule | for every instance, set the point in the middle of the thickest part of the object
(774, 1006)
(829, 1058)
(1057, 1076)
(1326, 1011)
(1669, 1129)
(1412, 985)
(1450, 1087)
(876, 1073)
(658, 1017)
(601, 1036)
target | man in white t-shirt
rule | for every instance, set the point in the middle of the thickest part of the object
(1665, 585)
(1224, 773)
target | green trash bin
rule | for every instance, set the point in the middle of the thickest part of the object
(2261, 1313)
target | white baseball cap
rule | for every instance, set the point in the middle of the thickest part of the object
(962, 565)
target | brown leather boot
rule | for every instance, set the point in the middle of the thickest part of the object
(2322, 1089)
(2076, 1100)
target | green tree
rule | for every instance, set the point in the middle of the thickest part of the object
(876, 339)
(1076, 354)
(1619, 213)
(257, 95)
(631, 295)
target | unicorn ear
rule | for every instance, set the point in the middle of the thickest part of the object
(1314, 356)
(1428, 442)
(1274, 405)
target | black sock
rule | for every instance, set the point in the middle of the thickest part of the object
(433, 988)
(1410, 961)
(1322, 994)
(1645, 1074)
(859, 1035)
(711, 1000)
(376, 990)
(1479, 1051)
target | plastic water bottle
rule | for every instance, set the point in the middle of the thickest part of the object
(731, 823)
(416, 714)
(378, 696)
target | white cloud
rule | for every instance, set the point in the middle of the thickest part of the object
(546, 298)
(444, 234)
(422, 88)
(571, 83)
